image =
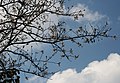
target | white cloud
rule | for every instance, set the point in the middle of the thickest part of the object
(89, 15)
(105, 71)
(2, 13)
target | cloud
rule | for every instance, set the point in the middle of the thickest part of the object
(89, 15)
(105, 71)
(2, 13)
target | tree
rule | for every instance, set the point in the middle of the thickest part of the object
(25, 24)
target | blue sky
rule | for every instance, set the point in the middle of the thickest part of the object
(102, 49)
(99, 50)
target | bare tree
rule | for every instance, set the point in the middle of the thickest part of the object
(25, 24)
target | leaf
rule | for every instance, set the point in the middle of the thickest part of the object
(77, 56)
(26, 78)
(76, 17)
(59, 63)
(42, 51)
(71, 51)
(62, 55)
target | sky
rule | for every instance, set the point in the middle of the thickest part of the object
(98, 62)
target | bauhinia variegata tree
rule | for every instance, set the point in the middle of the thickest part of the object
(26, 24)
